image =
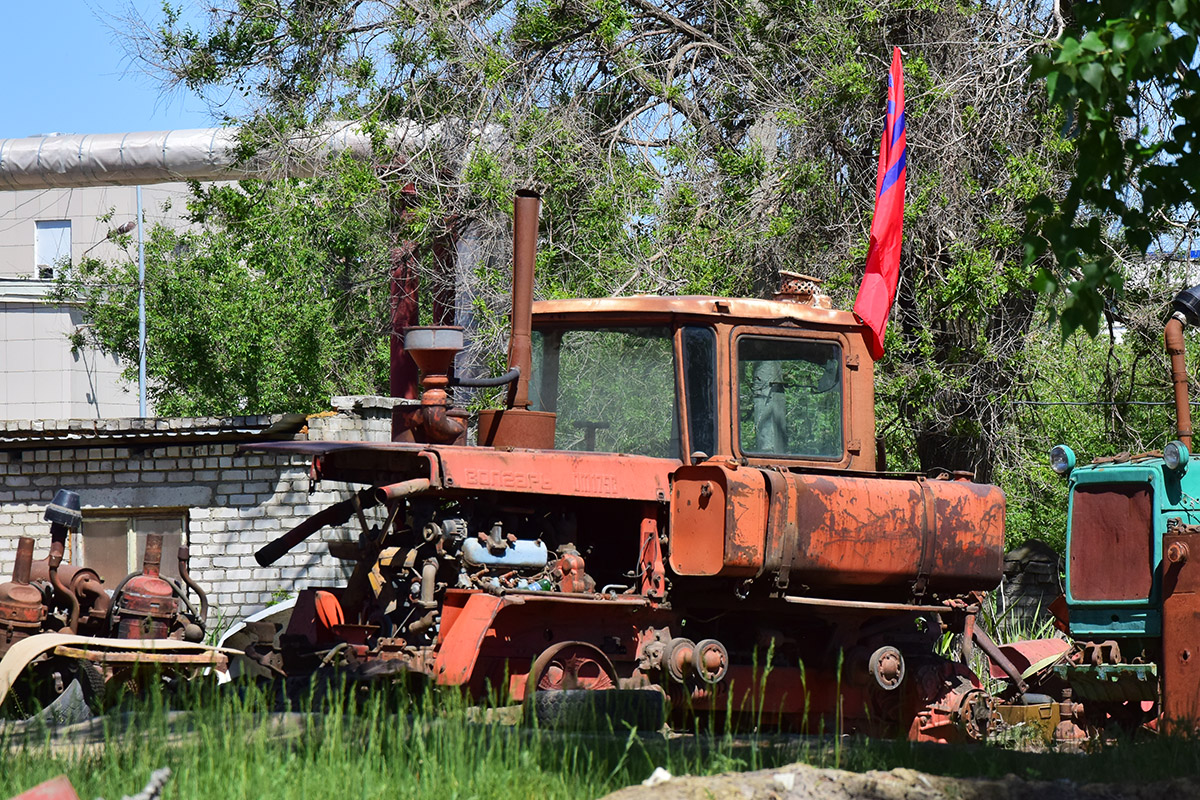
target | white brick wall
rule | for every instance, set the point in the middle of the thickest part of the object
(237, 502)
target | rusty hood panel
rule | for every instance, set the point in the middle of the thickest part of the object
(943, 535)
(556, 472)
(823, 533)
(546, 472)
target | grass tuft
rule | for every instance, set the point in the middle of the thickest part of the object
(235, 744)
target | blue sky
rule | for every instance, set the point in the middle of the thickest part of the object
(66, 72)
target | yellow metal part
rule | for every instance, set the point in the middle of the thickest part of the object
(1044, 717)
(206, 659)
(387, 556)
(26, 651)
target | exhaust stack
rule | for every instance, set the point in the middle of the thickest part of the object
(517, 425)
(526, 206)
(1185, 310)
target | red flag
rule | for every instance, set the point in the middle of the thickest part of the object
(878, 290)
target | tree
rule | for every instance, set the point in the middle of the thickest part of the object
(1123, 75)
(691, 147)
(274, 305)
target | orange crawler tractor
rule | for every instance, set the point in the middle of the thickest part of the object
(680, 500)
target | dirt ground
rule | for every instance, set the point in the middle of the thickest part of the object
(802, 782)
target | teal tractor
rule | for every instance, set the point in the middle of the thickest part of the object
(1132, 601)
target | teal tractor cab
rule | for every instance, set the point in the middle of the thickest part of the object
(1132, 600)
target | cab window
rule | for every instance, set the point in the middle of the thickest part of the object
(700, 381)
(613, 389)
(789, 397)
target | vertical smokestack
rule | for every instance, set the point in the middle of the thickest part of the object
(1185, 310)
(1179, 380)
(24, 562)
(525, 230)
(152, 561)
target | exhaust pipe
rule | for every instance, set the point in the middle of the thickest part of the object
(1185, 310)
(517, 425)
(526, 206)
(24, 562)
(64, 516)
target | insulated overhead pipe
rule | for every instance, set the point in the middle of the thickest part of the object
(139, 158)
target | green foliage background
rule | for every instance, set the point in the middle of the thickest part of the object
(680, 148)
(275, 300)
(1124, 75)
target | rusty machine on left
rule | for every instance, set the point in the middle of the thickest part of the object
(67, 641)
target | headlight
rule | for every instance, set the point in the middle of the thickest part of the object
(1062, 459)
(1175, 455)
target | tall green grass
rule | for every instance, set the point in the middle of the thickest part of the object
(432, 744)
(234, 744)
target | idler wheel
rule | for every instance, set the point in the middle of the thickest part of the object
(710, 661)
(977, 715)
(572, 665)
(887, 667)
(574, 685)
(678, 658)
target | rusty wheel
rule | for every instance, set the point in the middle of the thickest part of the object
(574, 685)
(572, 665)
(58, 690)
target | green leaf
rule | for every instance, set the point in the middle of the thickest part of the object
(1070, 51)
(1149, 42)
(1138, 238)
(1040, 65)
(1092, 74)
(1093, 42)
(1122, 40)
(1044, 282)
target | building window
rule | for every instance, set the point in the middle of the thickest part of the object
(51, 247)
(113, 542)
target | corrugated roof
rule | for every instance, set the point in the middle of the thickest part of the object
(21, 434)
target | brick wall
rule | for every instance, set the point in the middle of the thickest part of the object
(1032, 581)
(236, 502)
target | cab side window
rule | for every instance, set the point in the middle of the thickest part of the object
(700, 380)
(789, 397)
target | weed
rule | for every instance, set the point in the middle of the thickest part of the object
(432, 743)
(279, 595)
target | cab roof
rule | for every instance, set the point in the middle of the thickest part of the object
(729, 309)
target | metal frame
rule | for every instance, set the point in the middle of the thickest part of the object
(733, 415)
(1138, 617)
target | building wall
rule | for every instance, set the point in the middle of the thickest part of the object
(20, 211)
(41, 375)
(235, 503)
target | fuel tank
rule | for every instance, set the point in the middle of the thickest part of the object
(817, 533)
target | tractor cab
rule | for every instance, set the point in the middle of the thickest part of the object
(660, 462)
(781, 381)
